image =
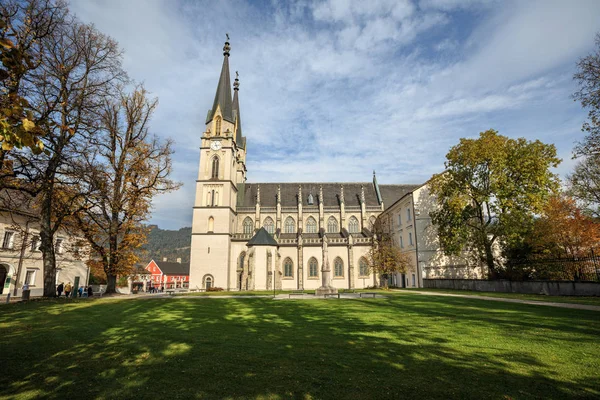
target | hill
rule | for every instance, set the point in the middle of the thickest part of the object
(166, 243)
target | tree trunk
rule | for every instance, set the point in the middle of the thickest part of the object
(111, 283)
(489, 260)
(47, 240)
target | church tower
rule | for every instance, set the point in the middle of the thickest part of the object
(221, 171)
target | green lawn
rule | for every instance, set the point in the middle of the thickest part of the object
(403, 346)
(589, 300)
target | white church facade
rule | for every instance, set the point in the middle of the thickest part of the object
(287, 236)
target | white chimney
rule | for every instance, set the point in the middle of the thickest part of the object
(179, 260)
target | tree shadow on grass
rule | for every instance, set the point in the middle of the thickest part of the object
(259, 348)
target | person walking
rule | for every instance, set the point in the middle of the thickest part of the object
(68, 288)
(90, 291)
(80, 291)
(60, 289)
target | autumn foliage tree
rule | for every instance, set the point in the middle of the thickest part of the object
(491, 188)
(76, 67)
(384, 257)
(123, 170)
(563, 230)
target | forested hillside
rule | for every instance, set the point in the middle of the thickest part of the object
(166, 243)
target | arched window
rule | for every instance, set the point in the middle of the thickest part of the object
(216, 199)
(311, 225)
(215, 168)
(310, 199)
(332, 225)
(208, 282)
(209, 198)
(338, 267)
(353, 226)
(241, 261)
(288, 268)
(211, 224)
(248, 225)
(269, 225)
(363, 267)
(218, 126)
(290, 225)
(313, 268)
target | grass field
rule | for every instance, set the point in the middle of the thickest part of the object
(403, 346)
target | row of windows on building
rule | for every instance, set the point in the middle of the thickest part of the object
(408, 217)
(289, 225)
(313, 267)
(8, 243)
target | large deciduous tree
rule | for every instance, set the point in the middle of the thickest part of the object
(124, 170)
(384, 257)
(78, 68)
(585, 180)
(491, 188)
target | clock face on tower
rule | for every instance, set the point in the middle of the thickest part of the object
(216, 145)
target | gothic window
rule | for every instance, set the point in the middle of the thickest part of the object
(313, 268)
(248, 225)
(290, 225)
(338, 268)
(310, 199)
(216, 199)
(241, 261)
(218, 126)
(269, 225)
(211, 224)
(311, 225)
(353, 225)
(209, 198)
(408, 214)
(215, 168)
(288, 268)
(363, 267)
(332, 225)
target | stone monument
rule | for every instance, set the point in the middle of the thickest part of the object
(326, 287)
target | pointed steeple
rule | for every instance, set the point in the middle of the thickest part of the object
(223, 95)
(239, 139)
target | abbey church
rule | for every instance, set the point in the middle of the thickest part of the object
(288, 236)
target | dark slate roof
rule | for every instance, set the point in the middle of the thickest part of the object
(223, 94)
(331, 191)
(173, 268)
(262, 238)
(239, 139)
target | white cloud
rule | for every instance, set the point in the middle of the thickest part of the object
(332, 90)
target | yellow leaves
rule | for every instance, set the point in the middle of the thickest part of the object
(6, 43)
(28, 125)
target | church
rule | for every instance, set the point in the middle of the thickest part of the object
(288, 236)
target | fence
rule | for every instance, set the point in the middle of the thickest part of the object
(560, 269)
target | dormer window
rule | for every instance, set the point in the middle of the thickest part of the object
(310, 199)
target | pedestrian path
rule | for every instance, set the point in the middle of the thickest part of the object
(509, 300)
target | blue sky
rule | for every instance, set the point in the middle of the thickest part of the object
(332, 90)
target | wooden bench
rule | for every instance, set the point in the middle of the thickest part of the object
(368, 294)
(170, 292)
(326, 295)
(347, 291)
(296, 293)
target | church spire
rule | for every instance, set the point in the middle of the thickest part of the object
(223, 95)
(239, 139)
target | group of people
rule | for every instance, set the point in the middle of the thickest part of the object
(68, 288)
